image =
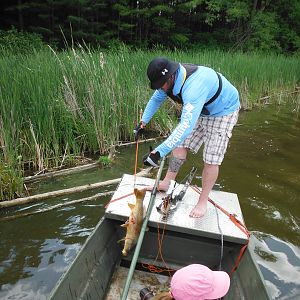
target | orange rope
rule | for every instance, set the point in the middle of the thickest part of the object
(136, 153)
(117, 199)
(136, 160)
(151, 267)
(135, 169)
(237, 223)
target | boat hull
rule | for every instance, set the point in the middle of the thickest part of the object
(90, 275)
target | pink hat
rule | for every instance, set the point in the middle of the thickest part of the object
(197, 282)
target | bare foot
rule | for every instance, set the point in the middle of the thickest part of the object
(199, 210)
(162, 186)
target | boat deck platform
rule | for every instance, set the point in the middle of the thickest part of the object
(212, 225)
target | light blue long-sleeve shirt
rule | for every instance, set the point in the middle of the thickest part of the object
(197, 89)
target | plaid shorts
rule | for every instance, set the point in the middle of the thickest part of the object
(215, 133)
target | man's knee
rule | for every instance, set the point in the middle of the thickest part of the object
(211, 166)
(180, 152)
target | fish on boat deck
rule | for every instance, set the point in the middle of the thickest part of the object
(134, 223)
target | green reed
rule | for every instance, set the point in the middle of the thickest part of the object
(55, 105)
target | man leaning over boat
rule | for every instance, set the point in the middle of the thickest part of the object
(210, 109)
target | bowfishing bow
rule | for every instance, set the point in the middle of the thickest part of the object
(170, 201)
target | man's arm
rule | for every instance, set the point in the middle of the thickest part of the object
(189, 117)
(153, 105)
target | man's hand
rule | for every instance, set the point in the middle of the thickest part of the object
(151, 159)
(138, 130)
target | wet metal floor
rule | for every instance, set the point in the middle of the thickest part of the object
(154, 282)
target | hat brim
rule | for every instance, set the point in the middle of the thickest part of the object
(173, 67)
(221, 285)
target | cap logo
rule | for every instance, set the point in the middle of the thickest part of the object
(164, 71)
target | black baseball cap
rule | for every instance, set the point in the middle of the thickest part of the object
(160, 70)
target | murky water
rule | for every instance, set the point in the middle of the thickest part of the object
(261, 166)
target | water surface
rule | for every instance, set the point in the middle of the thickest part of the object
(261, 166)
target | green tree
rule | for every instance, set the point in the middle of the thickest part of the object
(231, 24)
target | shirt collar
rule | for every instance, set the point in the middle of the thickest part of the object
(179, 79)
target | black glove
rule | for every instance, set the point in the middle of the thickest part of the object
(151, 159)
(138, 130)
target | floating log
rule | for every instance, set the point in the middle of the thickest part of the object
(8, 218)
(82, 188)
(61, 172)
(89, 166)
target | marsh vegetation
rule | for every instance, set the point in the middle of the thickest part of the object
(56, 106)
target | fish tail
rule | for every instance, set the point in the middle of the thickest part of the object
(139, 194)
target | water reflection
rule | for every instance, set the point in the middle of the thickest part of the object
(37, 271)
(280, 264)
(36, 250)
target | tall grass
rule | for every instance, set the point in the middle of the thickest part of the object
(57, 104)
